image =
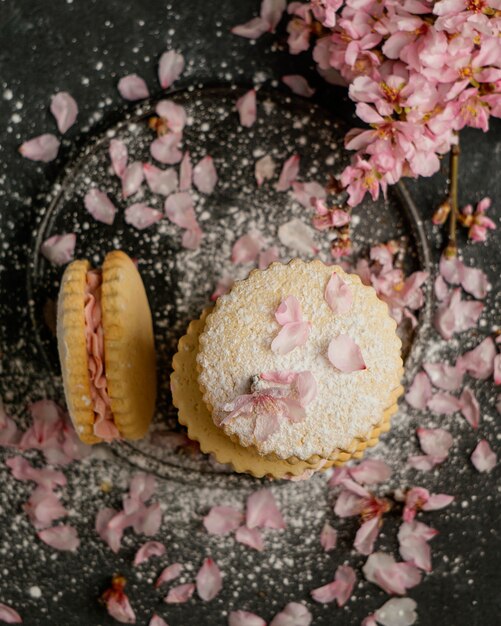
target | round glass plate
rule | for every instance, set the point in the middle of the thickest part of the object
(179, 282)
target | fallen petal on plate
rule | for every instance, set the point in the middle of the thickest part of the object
(180, 594)
(133, 87)
(247, 247)
(247, 109)
(252, 29)
(250, 537)
(170, 68)
(209, 582)
(100, 206)
(42, 148)
(222, 520)
(244, 618)
(205, 175)
(298, 85)
(59, 249)
(142, 216)
(147, 550)
(483, 458)
(293, 614)
(262, 511)
(65, 110)
(419, 392)
(61, 537)
(288, 175)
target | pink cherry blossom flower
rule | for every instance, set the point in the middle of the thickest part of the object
(9, 615)
(288, 175)
(340, 589)
(293, 614)
(65, 110)
(222, 520)
(497, 369)
(244, 618)
(205, 175)
(42, 148)
(100, 206)
(170, 68)
(262, 511)
(298, 85)
(247, 110)
(264, 169)
(477, 221)
(250, 537)
(345, 355)
(418, 498)
(329, 217)
(148, 550)
(208, 580)
(133, 87)
(300, 27)
(59, 249)
(117, 602)
(394, 578)
(169, 573)
(483, 458)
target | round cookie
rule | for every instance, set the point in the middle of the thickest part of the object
(235, 351)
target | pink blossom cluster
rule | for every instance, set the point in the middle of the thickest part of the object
(419, 71)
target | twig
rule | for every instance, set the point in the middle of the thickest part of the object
(451, 250)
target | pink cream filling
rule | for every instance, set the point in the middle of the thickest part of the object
(104, 426)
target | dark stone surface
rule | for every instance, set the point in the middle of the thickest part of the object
(50, 46)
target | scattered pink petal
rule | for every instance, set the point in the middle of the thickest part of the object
(441, 288)
(165, 149)
(42, 148)
(413, 539)
(396, 612)
(267, 257)
(142, 216)
(205, 175)
(444, 376)
(173, 113)
(297, 235)
(9, 434)
(244, 618)
(180, 594)
(64, 108)
(371, 472)
(132, 179)
(117, 602)
(308, 194)
(133, 87)
(264, 169)
(435, 441)
(147, 550)
(222, 520)
(156, 620)
(109, 526)
(119, 156)
(455, 315)
(293, 614)
(247, 110)
(9, 615)
(345, 355)
(475, 282)
(59, 249)
(223, 286)
(163, 182)
(419, 392)
(370, 620)
(469, 407)
(483, 458)
(100, 206)
(179, 209)
(192, 238)
(419, 498)
(247, 247)
(208, 580)
(424, 462)
(328, 537)
(60, 537)
(272, 11)
(185, 173)
(367, 535)
(250, 537)
(340, 589)
(148, 520)
(298, 85)
(47, 478)
(443, 403)
(170, 68)
(169, 573)
(252, 29)
(437, 501)
(479, 362)
(338, 295)
(394, 578)
(262, 511)
(289, 173)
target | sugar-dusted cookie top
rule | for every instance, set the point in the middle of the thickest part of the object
(299, 360)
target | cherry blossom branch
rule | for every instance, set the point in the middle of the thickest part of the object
(451, 250)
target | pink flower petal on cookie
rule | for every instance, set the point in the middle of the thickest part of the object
(65, 110)
(291, 336)
(209, 582)
(163, 182)
(165, 149)
(293, 614)
(366, 536)
(244, 618)
(306, 386)
(180, 594)
(419, 392)
(443, 403)
(289, 310)
(173, 113)
(147, 550)
(445, 376)
(42, 148)
(246, 107)
(59, 249)
(483, 458)
(345, 355)
(133, 87)
(250, 537)
(479, 362)
(132, 179)
(338, 295)
(252, 29)
(265, 426)
(185, 173)
(328, 537)
(119, 156)
(298, 85)
(247, 247)
(264, 169)
(142, 216)
(170, 68)
(61, 537)
(469, 407)
(205, 175)
(222, 520)
(262, 511)
(288, 175)
(100, 206)
(169, 573)
(371, 472)
(9, 615)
